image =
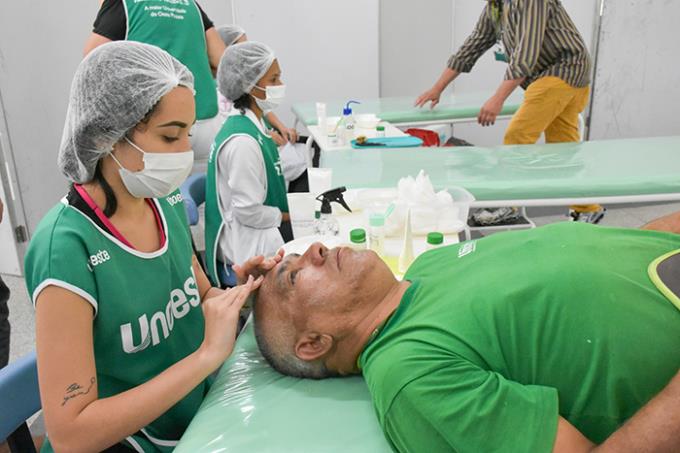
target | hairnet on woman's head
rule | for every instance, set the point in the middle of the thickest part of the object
(113, 89)
(241, 67)
(230, 33)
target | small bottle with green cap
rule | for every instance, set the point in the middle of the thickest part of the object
(434, 240)
(380, 131)
(357, 239)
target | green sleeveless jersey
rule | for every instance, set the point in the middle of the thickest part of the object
(276, 186)
(176, 26)
(147, 305)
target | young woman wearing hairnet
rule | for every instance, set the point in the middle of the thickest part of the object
(246, 200)
(294, 156)
(128, 328)
(233, 34)
(186, 32)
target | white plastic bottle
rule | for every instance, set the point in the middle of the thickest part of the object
(357, 239)
(348, 123)
(321, 118)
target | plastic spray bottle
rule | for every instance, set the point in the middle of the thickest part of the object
(326, 224)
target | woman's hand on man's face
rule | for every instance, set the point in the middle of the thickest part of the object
(257, 266)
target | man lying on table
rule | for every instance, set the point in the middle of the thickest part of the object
(557, 339)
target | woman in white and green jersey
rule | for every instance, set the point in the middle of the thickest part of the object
(128, 328)
(246, 208)
(185, 31)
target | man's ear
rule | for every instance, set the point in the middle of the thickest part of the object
(312, 346)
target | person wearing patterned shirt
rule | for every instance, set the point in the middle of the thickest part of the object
(546, 55)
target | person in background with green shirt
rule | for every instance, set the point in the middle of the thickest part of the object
(246, 204)
(293, 153)
(558, 339)
(128, 328)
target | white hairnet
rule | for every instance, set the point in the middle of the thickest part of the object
(241, 67)
(230, 33)
(113, 89)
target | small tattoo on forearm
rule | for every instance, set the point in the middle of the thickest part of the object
(76, 389)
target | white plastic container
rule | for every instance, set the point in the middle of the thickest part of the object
(462, 199)
(301, 206)
(320, 180)
(367, 121)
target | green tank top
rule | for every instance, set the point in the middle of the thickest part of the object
(147, 305)
(177, 27)
(276, 186)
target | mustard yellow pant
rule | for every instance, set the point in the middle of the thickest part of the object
(550, 106)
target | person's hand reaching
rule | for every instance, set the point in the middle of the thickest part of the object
(490, 110)
(257, 266)
(221, 313)
(432, 96)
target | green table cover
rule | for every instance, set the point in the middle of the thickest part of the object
(400, 110)
(608, 168)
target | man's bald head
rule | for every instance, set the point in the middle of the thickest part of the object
(307, 305)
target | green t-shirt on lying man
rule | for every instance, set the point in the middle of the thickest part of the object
(496, 338)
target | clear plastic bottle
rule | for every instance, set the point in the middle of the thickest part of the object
(326, 224)
(376, 233)
(434, 240)
(333, 139)
(357, 239)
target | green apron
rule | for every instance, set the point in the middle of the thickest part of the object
(176, 27)
(276, 186)
(147, 306)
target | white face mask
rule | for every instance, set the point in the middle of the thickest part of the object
(163, 173)
(275, 94)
